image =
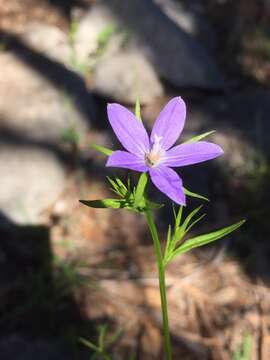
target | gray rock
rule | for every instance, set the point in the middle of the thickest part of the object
(241, 121)
(178, 57)
(125, 76)
(33, 117)
(192, 20)
(163, 44)
(92, 24)
(120, 72)
(31, 180)
(49, 40)
(32, 107)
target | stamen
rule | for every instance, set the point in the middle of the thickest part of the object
(156, 153)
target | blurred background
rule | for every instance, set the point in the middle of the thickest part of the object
(67, 270)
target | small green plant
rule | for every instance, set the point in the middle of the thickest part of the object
(70, 136)
(67, 276)
(243, 352)
(155, 157)
(104, 343)
(104, 38)
(73, 32)
(81, 68)
(66, 244)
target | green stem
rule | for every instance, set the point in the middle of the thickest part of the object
(162, 285)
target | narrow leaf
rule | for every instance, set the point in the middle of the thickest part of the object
(192, 194)
(168, 242)
(138, 109)
(247, 347)
(153, 205)
(102, 149)
(105, 34)
(102, 334)
(113, 183)
(128, 183)
(118, 186)
(140, 189)
(121, 184)
(122, 189)
(89, 344)
(105, 203)
(199, 137)
(206, 239)
(178, 217)
(180, 231)
(195, 222)
(237, 354)
(114, 337)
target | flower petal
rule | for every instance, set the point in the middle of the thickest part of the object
(124, 159)
(193, 153)
(170, 122)
(129, 130)
(168, 182)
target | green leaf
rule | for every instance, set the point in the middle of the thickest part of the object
(140, 189)
(244, 350)
(121, 184)
(180, 231)
(101, 338)
(168, 242)
(153, 205)
(128, 183)
(70, 135)
(138, 109)
(114, 337)
(205, 239)
(199, 137)
(113, 183)
(105, 35)
(89, 344)
(73, 31)
(102, 149)
(105, 203)
(131, 200)
(178, 217)
(194, 222)
(118, 186)
(192, 194)
(190, 217)
(247, 347)
(237, 354)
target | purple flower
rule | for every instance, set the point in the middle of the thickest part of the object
(156, 154)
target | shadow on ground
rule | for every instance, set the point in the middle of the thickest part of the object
(39, 317)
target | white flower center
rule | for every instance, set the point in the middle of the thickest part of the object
(156, 153)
